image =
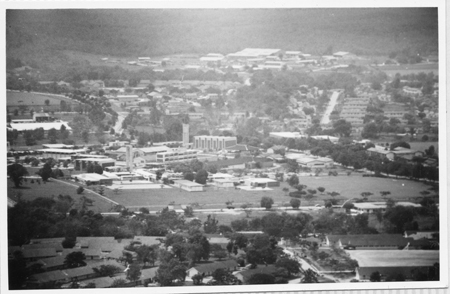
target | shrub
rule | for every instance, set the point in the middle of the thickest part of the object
(80, 189)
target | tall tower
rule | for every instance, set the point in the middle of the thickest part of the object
(185, 135)
(129, 157)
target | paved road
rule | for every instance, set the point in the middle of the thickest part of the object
(326, 116)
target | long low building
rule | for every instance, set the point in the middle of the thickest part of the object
(315, 162)
(92, 179)
(82, 163)
(370, 207)
(189, 186)
(261, 182)
(57, 153)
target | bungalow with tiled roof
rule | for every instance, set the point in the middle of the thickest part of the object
(35, 254)
(208, 268)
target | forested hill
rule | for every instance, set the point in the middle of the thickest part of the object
(171, 31)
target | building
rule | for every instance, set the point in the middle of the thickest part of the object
(393, 263)
(83, 163)
(57, 153)
(214, 142)
(208, 268)
(325, 138)
(176, 155)
(287, 135)
(224, 183)
(371, 207)
(396, 152)
(92, 179)
(375, 242)
(189, 186)
(261, 182)
(315, 162)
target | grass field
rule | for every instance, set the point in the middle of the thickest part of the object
(32, 99)
(348, 186)
(31, 191)
(395, 257)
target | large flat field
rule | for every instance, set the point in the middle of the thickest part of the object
(31, 191)
(395, 257)
(406, 69)
(348, 186)
(32, 99)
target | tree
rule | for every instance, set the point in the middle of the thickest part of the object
(46, 172)
(295, 203)
(47, 102)
(107, 270)
(201, 176)
(189, 176)
(261, 278)
(292, 266)
(399, 216)
(342, 127)
(375, 277)
(267, 202)
(134, 272)
(16, 173)
(75, 259)
(286, 191)
(293, 181)
(85, 136)
(321, 189)
(370, 130)
(197, 279)
(98, 169)
(309, 277)
(384, 193)
(79, 124)
(246, 207)
(224, 277)
(118, 283)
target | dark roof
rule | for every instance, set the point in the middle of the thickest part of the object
(49, 276)
(52, 261)
(56, 245)
(39, 253)
(212, 266)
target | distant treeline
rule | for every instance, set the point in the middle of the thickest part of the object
(41, 33)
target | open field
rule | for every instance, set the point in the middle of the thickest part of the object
(348, 186)
(406, 69)
(31, 191)
(32, 99)
(395, 257)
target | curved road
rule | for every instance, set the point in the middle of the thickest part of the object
(333, 100)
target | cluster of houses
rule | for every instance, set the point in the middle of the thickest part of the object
(384, 253)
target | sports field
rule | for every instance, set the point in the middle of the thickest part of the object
(348, 187)
(32, 99)
(383, 258)
(30, 191)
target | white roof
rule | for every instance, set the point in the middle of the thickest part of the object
(311, 159)
(187, 183)
(341, 53)
(287, 134)
(45, 125)
(67, 151)
(210, 58)
(57, 146)
(90, 177)
(220, 175)
(382, 205)
(261, 180)
(154, 149)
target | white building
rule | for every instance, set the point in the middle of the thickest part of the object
(214, 142)
(189, 186)
(176, 155)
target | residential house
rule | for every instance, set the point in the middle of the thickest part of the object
(374, 242)
(208, 268)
